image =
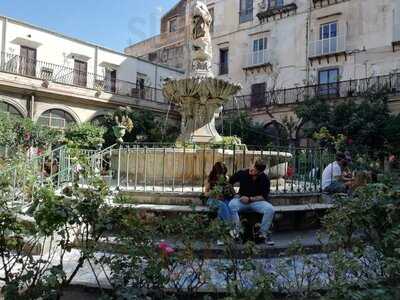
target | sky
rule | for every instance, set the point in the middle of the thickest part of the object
(114, 24)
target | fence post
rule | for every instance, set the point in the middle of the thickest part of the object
(119, 166)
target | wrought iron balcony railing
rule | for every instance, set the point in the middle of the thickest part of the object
(327, 46)
(331, 91)
(48, 72)
(257, 58)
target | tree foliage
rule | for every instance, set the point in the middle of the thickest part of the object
(365, 123)
(242, 126)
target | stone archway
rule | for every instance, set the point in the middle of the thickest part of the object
(277, 133)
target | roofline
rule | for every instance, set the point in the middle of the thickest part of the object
(8, 19)
(172, 8)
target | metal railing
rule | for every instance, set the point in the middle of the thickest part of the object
(256, 58)
(49, 72)
(327, 46)
(167, 168)
(340, 89)
(53, 166)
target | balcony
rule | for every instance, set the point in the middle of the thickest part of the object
(51, 74)
(245, 15)
(324, 3)
(396, 36)
(277, 12)
(257, 59)
(331, 91)
(326, 48)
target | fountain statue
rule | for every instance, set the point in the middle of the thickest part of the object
(200, 96)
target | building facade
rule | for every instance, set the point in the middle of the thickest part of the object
(282, 51)
(56, 80)
(169, 47)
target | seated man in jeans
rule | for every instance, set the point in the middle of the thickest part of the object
(334, 179)
(253, 197)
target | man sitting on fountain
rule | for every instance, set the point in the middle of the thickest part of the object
(253, 197)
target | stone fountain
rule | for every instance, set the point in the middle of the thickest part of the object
(200, 96)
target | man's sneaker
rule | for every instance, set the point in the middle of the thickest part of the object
(263, 239)
(220, 243)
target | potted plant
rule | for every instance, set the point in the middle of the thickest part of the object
(123, 124)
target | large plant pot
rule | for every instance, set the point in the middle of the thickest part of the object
(119, 133)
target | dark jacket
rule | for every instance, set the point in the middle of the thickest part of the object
(250, 187)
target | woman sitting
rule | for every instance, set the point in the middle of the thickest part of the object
(219, 191)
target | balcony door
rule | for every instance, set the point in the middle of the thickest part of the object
(328, 37)
(27, 61)
(259, 51)
(258, 95)
(111, 79)
(80, 73)
(328, 81)
(246, 11)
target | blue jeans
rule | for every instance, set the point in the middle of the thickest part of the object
(263, 207)
(222, 207)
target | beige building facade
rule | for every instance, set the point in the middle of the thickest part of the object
(56, 80)
(281, 51)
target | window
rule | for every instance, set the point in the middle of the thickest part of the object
(211, 10)
(140, 90)
(27, 61)
(246, 11)
(328, 34)
(258, 55)
(223, 61)
(55, 118)
(9, 109)
(258, 95)
(110, 81)
(328, 81)
(173, 25)
(80, 73)
(275, 3)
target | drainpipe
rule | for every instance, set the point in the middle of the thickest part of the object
(32, 107)
(96, 50)
(308, 24)
(3, 42)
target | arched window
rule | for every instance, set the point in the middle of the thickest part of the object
(100, 120)
(277, 133)
(10, 109)
(56, 118)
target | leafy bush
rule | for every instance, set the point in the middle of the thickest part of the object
(85, 136)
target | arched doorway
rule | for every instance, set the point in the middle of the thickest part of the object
(303, 135)
(277, 133)
(99, 120)
(56, 118)
(8, 108)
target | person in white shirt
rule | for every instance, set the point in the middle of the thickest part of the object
(333, 179)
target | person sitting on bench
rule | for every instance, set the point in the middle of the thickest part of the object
(253, 197)
(334, 179)
(217, 190)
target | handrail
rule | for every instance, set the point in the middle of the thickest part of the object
(334, 90)
(15, 64)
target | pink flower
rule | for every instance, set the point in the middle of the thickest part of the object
(349, 141)
(162, 246)
(27, 136)
(166, 249)
(169, 250)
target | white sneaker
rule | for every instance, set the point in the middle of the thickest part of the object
(220, 243)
